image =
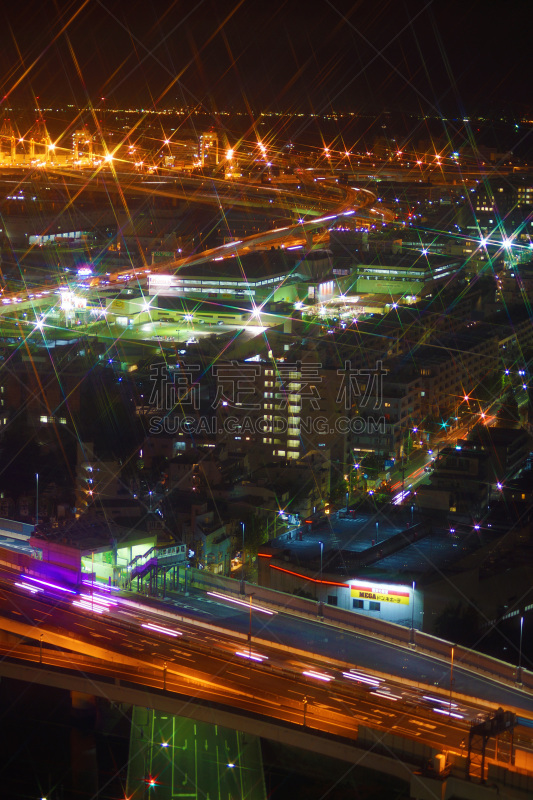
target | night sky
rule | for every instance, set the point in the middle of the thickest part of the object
(441, 57)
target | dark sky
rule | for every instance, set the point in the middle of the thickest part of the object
(443, 56)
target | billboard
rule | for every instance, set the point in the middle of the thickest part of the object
(383, 594)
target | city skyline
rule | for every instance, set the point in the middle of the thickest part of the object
(266, 400)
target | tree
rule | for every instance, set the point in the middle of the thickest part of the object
(508, 413)
(255, 533)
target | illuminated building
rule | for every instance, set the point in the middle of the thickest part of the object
(278, 412)
(382, 266)
(208, 148)
(454, 363)
(500, 204)
(406, 274)
(381, 598)
(459, 483)
(274, 275)
(97, 479)
(400, 410)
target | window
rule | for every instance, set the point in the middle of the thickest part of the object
(332, 599)
(358, 603)
(373, 606)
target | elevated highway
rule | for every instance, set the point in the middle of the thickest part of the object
(341, 203)
(261, 665)
(208, 657)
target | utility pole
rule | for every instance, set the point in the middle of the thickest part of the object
(413, 614)
(242, 560)
(451, 678)
(319, 606)
(519, 671)
(250, 624)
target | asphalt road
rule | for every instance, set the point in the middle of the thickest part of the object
(122, 629)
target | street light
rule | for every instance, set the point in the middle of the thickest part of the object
(250, 625)
(319, 601)
(451, 677)
(413, 613)
(519, 671)
(242, 560)
(377, 532)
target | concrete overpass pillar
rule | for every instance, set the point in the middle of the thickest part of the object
(84, 778)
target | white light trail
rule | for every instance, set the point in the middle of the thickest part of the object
(88, 606)
(252, 656)
(318, 675)
(387, 696)
(245, 603)
(159, 629)
(447, 713)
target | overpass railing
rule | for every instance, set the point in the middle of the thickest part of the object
(463, 657)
